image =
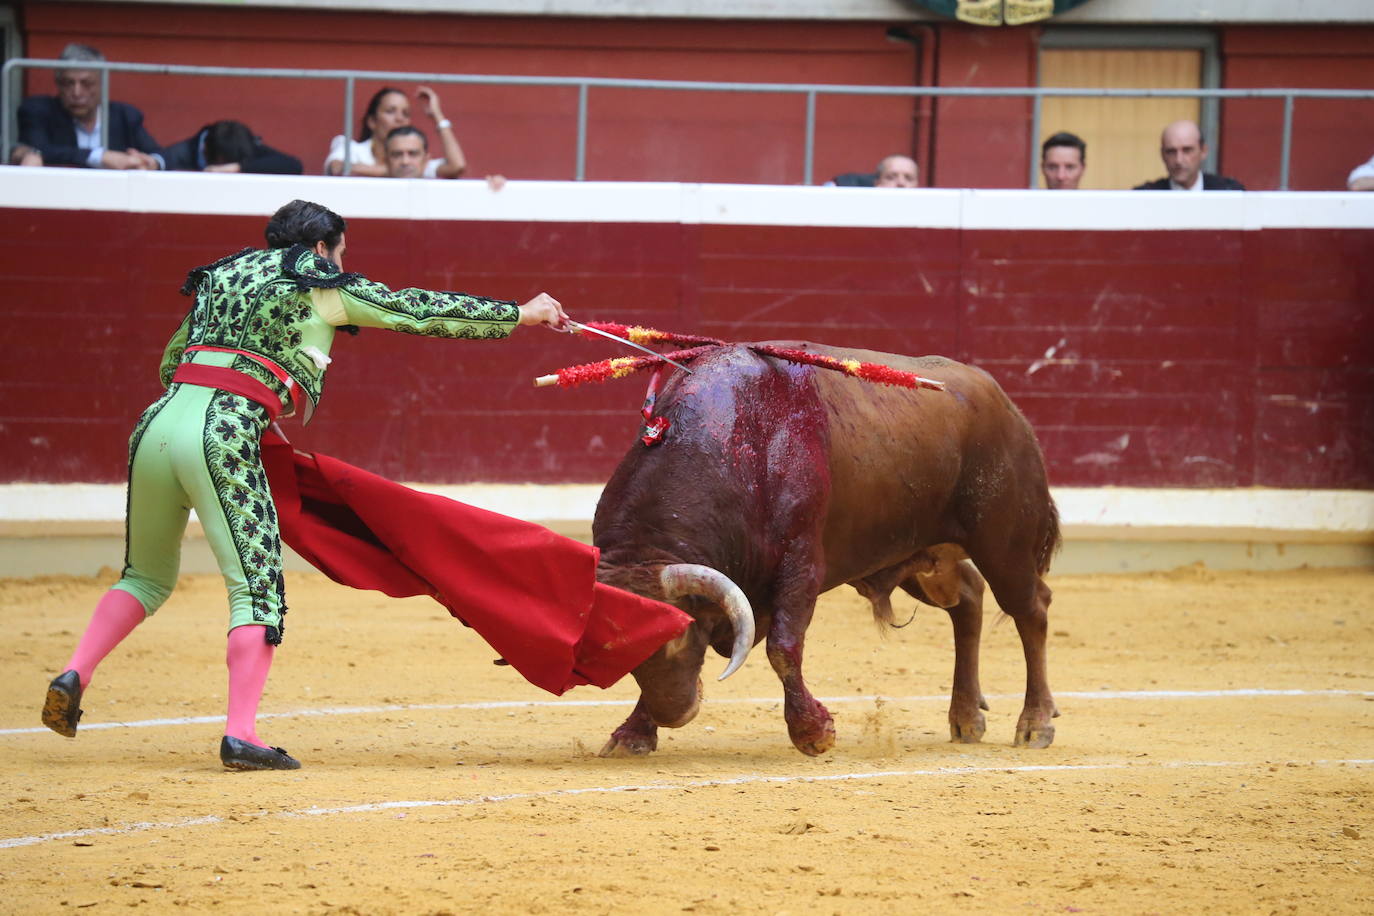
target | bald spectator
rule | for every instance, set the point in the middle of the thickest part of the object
(1183, 149)
(1062, 160)
(896, 171)
(65, 129)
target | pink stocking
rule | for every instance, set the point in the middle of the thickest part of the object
(115, 617)
(249, 658)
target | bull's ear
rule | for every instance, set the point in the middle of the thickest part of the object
(690, 579)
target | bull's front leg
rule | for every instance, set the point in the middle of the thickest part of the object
(636, 736)
(809, 723)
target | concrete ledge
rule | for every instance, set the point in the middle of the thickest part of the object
(1250, 514)
(78, 528)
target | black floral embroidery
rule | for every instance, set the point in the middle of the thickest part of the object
(233, 457)
(255, 301)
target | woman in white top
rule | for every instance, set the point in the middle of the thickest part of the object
(389, 109)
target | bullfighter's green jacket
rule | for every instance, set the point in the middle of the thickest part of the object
(283, 306)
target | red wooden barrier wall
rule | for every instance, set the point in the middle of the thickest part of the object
(1181, 357)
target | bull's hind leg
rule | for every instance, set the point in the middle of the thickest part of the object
(809, 723)
(1034, 728)
(1025, 598)
(964, 587)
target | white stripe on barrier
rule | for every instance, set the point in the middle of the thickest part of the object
(373, 807)
(752, 701)
(684, 203)
(1168, 513)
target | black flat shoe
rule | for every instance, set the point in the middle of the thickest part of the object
(62, 707)
(237, 754)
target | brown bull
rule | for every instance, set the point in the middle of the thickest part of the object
(789, 481)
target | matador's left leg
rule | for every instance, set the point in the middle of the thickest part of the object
(223, 473)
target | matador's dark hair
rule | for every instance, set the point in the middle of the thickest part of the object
(303, 223)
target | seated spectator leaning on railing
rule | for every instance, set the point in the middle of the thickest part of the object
(389, 109)
(1183, 149)
(65, 129)
(229, 146)
(1062, 160)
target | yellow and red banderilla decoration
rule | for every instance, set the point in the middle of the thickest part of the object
(609, 369)
(656, 427)
(869, 372)
(622, 366)
(641, 335)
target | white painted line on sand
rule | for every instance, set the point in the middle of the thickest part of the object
(750, 701)
(747, 779)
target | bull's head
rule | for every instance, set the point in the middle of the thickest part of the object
(669, 679)
(683, 579)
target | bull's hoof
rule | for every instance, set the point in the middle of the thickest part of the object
(1034, 736)
(970, 732)
(816, 741)
(629, 746)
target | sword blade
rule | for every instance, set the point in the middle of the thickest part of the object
(579, 326)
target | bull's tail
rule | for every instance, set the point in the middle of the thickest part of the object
(1050, 538)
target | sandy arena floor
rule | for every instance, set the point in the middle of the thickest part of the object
(1216, 753)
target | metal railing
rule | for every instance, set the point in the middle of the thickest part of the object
(584, 85)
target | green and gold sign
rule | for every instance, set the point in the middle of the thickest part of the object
(999, 12)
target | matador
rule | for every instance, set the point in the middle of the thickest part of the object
(254, 345)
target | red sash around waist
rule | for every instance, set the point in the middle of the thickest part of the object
(280, 374)
(231, 381)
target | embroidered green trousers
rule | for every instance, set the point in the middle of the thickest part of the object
(199, 448)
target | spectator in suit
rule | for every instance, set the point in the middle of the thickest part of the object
(1362, 178)
(1183, 150)
(389, 109)
(1063, 158)
(229, 146)
(65, 129)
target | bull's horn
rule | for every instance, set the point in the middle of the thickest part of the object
(692, 579)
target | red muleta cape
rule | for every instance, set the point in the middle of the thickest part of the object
(530, 593)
